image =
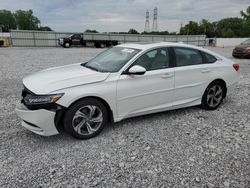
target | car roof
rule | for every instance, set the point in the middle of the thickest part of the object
(145, 46)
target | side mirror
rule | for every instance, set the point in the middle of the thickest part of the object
(137, 70)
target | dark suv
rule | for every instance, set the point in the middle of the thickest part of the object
(242, 50)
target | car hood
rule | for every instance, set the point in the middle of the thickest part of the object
(242, 46)
(53, 79)
(64, 38)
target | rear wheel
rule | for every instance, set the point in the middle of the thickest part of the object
(213, 96)
(86, 118)
(102, 45)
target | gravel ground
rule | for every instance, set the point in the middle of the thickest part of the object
(182, 148)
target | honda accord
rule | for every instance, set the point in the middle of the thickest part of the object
(124, 81)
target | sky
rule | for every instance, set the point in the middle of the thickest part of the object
(121, 15)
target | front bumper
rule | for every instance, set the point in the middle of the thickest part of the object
(60, 42)
(40, 121)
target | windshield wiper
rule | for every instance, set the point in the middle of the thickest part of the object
(92, 68)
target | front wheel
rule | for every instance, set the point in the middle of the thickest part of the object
(213, 96)
(86, 118)
(66, 45)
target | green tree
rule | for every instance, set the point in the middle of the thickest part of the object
(228, 33)
(246, 15)
(7, 20)
(173, 33)
(156, 33)
(207, 28)
(44, 28)
(26, 20)
(192, 28)
(246, 22)
(229, 26)
(133, 31)
(90, 31)
(161, 33)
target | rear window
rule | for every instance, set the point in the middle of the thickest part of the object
(208, 58)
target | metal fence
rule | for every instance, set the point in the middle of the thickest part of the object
(49, 38)
(36, 38)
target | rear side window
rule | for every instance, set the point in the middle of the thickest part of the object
(187, 57)
(208, 58)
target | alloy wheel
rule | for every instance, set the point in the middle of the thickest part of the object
(87, 120)
(214, 96)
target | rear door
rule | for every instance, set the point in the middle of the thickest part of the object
(191, 75)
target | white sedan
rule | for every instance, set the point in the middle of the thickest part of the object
(124, 81)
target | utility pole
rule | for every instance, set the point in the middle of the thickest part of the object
(146, 29)
(155, 24)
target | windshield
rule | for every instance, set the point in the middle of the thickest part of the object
(246, 42)
(111, 60)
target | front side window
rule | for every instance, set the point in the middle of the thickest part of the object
(76, 36)
(112, 60)
(187, 56)
(154, 59)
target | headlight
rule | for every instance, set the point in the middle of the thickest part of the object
(41, 99)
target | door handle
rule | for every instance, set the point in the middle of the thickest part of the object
(205, 70)
(167, 75)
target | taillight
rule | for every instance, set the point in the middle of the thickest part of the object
(236, 67)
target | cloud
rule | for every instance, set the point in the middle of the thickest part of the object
(121, 15)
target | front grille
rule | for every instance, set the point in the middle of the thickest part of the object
(239, 49)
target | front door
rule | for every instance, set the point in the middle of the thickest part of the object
(151, 92)
(76, 39)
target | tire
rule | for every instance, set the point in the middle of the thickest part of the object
(66, 45)
(213, 96)
(96, 45)
(110, 44)
(85, 118)
(83, 44)
(102, 45)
